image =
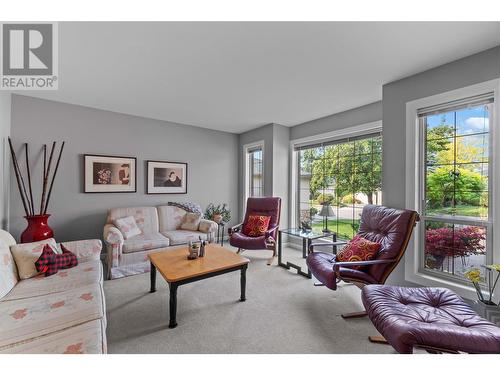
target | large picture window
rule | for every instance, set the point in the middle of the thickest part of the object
(455, 186)
(346, 174)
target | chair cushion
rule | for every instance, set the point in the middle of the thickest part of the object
(358, 249)
(249, 243)
(321, 266)
(179, 237)
(435, 317)
(28, 318)
(145, 242)
(256, 225)
(86, 273)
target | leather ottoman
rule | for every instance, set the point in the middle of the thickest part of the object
(435, 319)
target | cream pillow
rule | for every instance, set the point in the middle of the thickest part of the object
(127, 226)
(191, 221)
(26, 254)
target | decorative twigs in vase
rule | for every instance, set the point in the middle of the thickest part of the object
(38, 228)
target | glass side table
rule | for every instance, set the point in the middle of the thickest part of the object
(307, 238)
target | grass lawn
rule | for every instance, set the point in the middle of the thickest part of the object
(460, 210)
(344, 228)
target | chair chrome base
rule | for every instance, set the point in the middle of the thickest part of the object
(358, 314)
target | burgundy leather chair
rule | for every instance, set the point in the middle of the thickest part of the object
(390, 227)
(268, 206)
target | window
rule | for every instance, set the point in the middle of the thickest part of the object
(254, 170)
(455, 187)
(345, 173)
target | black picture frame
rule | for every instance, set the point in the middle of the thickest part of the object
(152, 188)
(89, 185)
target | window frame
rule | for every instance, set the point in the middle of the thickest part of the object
(415, 183)
(353, 131)
(246, 168)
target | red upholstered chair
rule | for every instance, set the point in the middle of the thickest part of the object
(390, 227)
(267, 206)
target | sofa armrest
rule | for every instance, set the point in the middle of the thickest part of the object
(85, 250)
(114, 243)
(207, 226)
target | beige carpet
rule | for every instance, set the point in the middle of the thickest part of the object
(283, 313)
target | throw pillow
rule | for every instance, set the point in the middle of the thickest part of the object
(127, 226)
(191, 221)
(358, 249)
(26, 254)
(49, 262)
(256, 225)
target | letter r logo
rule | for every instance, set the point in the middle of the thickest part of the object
(27, 49)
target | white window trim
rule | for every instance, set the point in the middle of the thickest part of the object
(351, 131)
(413, 166)
(246, 168)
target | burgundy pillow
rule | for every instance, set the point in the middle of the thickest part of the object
(50, 262)
(256, 225)
(358, 249)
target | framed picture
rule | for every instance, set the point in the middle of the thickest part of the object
(166, 177)
(110, 174)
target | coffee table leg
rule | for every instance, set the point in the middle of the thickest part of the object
(152, 275)
(243, 282)
(173, 305)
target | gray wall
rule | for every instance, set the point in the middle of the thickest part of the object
(281, 169)
(211, 156)
(5, 110)
(471, 70)
(356, 116)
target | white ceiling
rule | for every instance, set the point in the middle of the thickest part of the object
(236, 76)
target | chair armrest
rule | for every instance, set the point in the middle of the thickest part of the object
(322, 244)
(207, 226)
(362, 263)
(85, 250)
(234, 229)
(270, 231)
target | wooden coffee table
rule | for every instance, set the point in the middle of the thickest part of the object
(177, 270)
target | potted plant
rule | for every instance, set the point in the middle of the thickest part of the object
(474, 276)
(218, 213)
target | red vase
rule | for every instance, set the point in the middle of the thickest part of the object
(38, 229)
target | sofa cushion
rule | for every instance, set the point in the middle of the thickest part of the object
(29, 318)
(26, 254)
(8, 270)
(84, 274)
(146, 218)
(170, 217)
(178, 237)
(127, 226)
(145, 242)
(87, 338)
(191, 221)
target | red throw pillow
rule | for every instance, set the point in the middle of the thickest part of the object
(50, 262)
(358, 249)
(256, 225)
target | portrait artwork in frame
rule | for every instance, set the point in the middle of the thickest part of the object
(110, 174)
(164, 177)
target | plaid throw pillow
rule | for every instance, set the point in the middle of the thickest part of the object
(358, 249)
(256, 225)
(50, 262)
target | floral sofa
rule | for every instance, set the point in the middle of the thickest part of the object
(62, 313)
(160, 228)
